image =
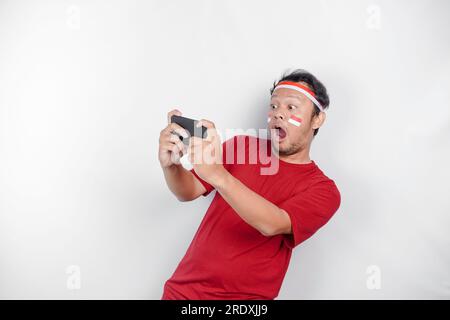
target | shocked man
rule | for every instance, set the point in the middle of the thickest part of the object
(243, 246)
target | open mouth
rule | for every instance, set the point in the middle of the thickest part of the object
(280, 133)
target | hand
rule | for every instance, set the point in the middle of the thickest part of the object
(171, 149)
(205, 155)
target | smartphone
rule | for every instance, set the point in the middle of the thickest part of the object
(190, 126)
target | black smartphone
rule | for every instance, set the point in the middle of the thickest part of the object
(190, 126)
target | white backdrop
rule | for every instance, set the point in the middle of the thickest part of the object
(84, 91)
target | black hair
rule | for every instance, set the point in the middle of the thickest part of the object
(300, 75)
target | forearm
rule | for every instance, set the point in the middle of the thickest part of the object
(258, 212)
(180, 181)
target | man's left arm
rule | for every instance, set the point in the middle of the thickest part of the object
(258, 212)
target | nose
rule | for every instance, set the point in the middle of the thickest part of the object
(279, 115)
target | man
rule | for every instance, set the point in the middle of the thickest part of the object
(242, 247)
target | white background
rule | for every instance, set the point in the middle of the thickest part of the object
(84, 91)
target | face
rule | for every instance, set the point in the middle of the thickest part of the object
(288, 138)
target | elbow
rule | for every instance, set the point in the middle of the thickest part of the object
(273, 230)
(186, 198)
(183, 199)
(278, 226)
(268, 231)
(266, 234)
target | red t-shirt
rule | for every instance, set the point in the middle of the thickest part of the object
(228, 258)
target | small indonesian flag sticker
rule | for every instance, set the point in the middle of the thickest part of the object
(296, 121)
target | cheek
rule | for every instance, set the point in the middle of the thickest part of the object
(269, 116)
(297, 132)
(295, 121)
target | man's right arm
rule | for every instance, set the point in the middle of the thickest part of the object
(183, 184)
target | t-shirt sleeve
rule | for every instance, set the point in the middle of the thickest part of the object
(225, 146)
(309, 210)
(207, 186)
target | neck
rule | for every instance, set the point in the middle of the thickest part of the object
(300, 157)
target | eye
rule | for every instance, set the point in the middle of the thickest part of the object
(292, 107)
(272, 106)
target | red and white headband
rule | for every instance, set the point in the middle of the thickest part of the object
(300, 88)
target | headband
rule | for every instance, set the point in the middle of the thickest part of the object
(300, 88)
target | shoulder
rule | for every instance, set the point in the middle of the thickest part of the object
(325, 187)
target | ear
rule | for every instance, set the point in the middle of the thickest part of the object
(318, 120)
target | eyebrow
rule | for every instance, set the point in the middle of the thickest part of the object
(290, 96)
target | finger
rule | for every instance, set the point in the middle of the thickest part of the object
(211, 130)
(195, 157)
(181, 147)
(174, 138)
(175, 155)
(173, 127)
(212, 135)
(167, 146)
(169, 138)
(206, 123)
(171, 113)
(198, 144)
(195, 141)
(195, 152)
(175, 149)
